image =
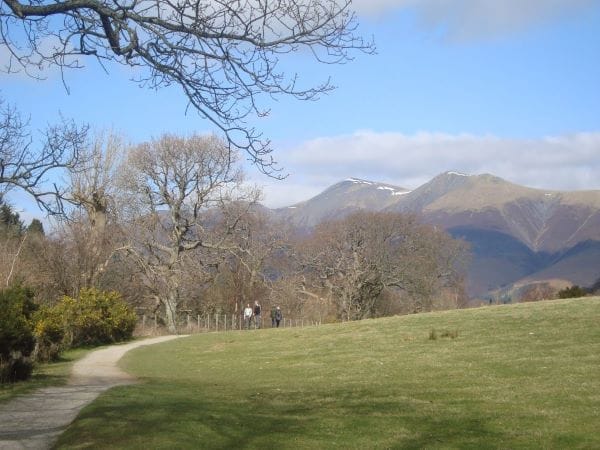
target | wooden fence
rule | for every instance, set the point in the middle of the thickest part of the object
(211, 323)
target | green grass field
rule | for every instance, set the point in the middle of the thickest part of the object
(522, 376)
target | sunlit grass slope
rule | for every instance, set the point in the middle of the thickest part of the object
(523, 376)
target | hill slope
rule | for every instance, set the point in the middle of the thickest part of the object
(514, 376)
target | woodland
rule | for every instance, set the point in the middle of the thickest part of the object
(171, 226)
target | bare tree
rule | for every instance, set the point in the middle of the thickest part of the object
(93, 184)
(223, 54)
(357, 258)
(255, 251)
(341, 255)
(36, 169)
(93, 188)
(176, 187)
(24, 256)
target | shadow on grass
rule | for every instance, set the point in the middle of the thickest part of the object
(180, 416)
(53, 373)
(9, 391)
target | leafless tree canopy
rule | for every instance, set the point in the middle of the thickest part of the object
(223, 53)
(359, 256)
(176, 186)
(93, 184)
(26, 166)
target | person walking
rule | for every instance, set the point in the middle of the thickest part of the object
(256, 314)
(273, 314)
(247, 316)
(278, 316)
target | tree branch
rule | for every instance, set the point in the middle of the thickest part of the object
(224, 55)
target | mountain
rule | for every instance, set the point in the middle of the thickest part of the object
(340, 200)
(580, 265)
(498, 259)
(516, 233)
(543, 220)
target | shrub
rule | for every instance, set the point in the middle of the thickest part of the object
(433, 334)
(16, 333)
(94, 318)
(49, 334)
(572, 292)
(452, 334)
(536, 292)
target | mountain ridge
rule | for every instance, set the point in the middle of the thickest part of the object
(340, 199)
(538, 225)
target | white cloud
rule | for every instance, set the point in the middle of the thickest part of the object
(282, 193)
(469, 19)
(570, 162)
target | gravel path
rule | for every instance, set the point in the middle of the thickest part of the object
(35, 421)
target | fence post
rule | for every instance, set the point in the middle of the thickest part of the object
(144, 322)
(208, 323)
(155, 323)
(198, 323)
(225, 318)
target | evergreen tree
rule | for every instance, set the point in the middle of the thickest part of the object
(10, 222)
(36, 226)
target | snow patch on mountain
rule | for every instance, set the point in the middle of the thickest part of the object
(392, 190)
(359, 181)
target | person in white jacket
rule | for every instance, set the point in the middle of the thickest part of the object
(247, 316)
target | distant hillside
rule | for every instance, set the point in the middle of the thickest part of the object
(580, 265)
(498, 259)
(340, 200)
(543, 220)
(516, 232)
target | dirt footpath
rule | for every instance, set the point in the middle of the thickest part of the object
(35, 421)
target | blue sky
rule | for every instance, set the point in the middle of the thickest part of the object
(510, 88)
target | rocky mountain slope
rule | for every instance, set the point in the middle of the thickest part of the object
(543, 220)
(340, 200)
(516, 232)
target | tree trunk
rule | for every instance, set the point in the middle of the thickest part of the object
(171, 312)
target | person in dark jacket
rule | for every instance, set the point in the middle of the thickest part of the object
(278, 316)
(257, 314)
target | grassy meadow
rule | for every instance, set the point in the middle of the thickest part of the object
(513, 376)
